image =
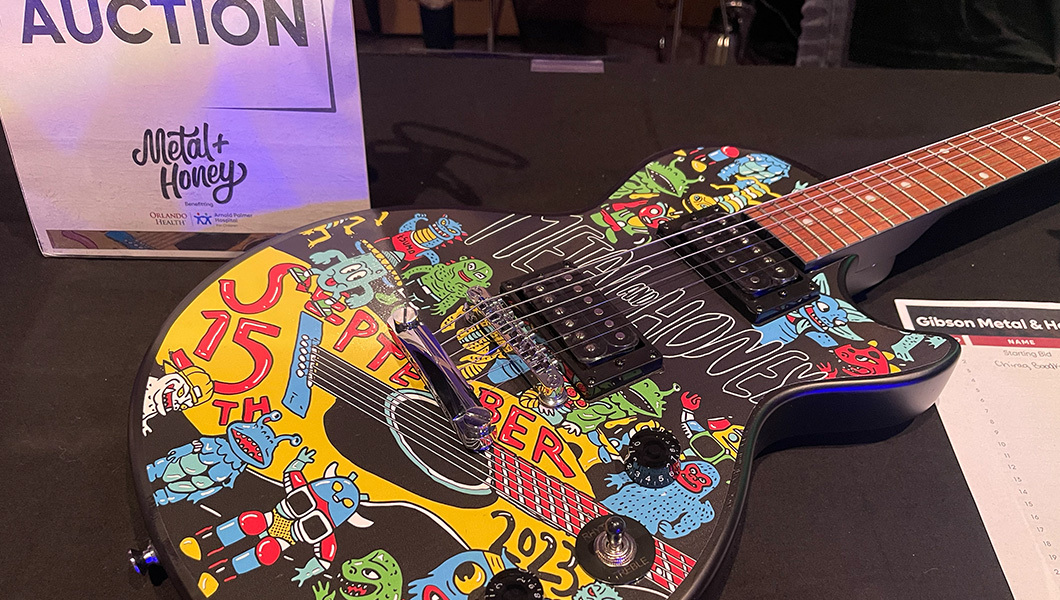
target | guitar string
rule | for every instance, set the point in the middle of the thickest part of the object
(891, 168)
(792, 217)
(424, 418)
(626, 312)
(428, 423)
(454, 455)
(752, 225)
(457, 456)
(918, 168)
(489, 476)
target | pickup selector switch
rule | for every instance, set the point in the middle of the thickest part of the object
(653, 458)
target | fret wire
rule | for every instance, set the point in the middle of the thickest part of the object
(1011, 139)
(900, 188)
(865, 202)
(1046, 117)
(776, 221)
(940, 177)
(943, 155)
(783, 224)
(814, 234)
(1039, 135)
(829, 214)
(851, 210)
(993, 148)
(978, 160)
(873, 208)
(918, 182)
(883, 197)
(955, 173)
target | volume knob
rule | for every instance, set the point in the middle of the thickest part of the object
(514, 584)
(653, 458)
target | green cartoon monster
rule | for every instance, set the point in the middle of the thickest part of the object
(647, 400)
(445, 285)
(657, 178)
(374, 577)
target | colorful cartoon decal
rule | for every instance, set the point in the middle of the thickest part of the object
(308, 514)
(442, 286)
(671, 511)
(279, 400)
(597, 590)
(413, 243)
(183, 386)
(349, 279)
(860, 362)
(657, 178)
(459, 576)
(373, 577)
(821, 321)
(199, 469)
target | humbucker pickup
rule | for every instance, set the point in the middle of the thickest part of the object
(744, 263)
(599, 348)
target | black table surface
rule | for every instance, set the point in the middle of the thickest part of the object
(891, 518)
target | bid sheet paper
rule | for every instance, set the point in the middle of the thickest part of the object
(1001, 410)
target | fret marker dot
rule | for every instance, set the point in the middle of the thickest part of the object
(870, 197)
(1027, 138)
(984, 175)
(807, 221)
(904, 184)
(837, 210)
(944, 151)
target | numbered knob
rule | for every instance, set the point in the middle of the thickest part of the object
(514, 584)
(653, 458)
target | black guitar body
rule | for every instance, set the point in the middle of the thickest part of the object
(279, 381)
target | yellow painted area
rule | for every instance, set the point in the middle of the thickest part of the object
(190, 547)
(520, 432)
(207, 584)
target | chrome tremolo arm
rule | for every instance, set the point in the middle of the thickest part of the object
(545, 371)
(470, 420)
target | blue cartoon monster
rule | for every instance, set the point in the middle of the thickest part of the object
(821, 321)
(761, 167)
(413, 243)
(750, 176)
(459, 576)
(671, 511)
(200, 469)
(350, 278)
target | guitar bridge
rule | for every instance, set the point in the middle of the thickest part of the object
(519, 340)
(599, 348)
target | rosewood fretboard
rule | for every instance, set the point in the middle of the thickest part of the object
(822, 219)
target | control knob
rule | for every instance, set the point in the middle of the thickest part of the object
(653, 458)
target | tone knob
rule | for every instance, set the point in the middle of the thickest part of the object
(653, 458)
(514, 584)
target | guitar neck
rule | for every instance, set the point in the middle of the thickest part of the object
(569, 509)
(826, 218)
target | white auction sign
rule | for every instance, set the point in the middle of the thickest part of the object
(180, 127)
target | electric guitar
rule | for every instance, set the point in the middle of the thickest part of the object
(458, 405)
